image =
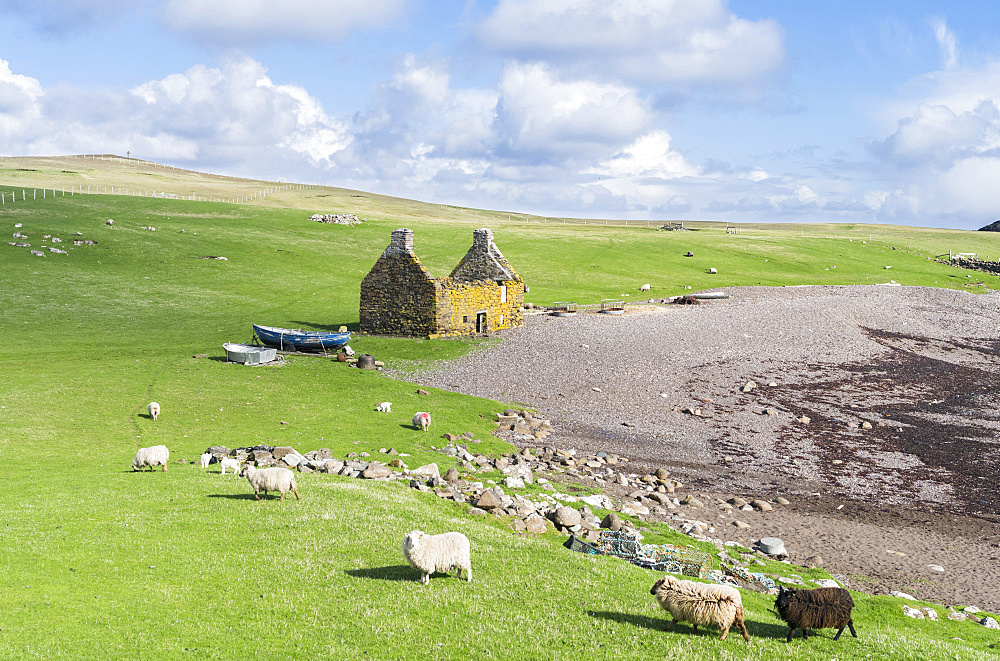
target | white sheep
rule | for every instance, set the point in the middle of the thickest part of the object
(158, 455)
(701, 603)
(384, 407)
(230, 462)
(271, 479)
(645, 287)
(422, 420)
(444, 552)
(206, 459)
(154, 410)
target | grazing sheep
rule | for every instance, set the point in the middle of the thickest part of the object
(158, 455)
(270, 479)
(231, 462)
(644, 287)
(206, 459)
(154, 410)
(444, 552)
(422, 420)
(384, 407)
(701, 603)
(821, 608)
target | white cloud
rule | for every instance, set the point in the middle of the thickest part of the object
(539, 114)
(947, 43)
(650, 156)
(20, 103)
(756, 174)
(683, 42)
(260, 22)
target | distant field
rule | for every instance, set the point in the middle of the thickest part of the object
(103, 563)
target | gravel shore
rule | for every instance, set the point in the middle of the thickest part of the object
(899, 386)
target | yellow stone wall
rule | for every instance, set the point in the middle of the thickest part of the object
(458, 303)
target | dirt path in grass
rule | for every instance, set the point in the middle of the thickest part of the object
(920, 366)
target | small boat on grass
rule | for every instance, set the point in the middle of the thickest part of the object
(248, 354)
(287, 339)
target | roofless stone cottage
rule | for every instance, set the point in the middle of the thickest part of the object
(400, 297)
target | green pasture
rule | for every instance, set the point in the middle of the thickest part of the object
(99, 562)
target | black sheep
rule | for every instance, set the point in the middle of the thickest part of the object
(821, 608)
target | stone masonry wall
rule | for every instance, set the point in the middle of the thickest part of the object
(458, 303)
(398, 294)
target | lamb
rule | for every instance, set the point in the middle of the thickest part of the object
(154, 410)
(701, 603)
(206, 459)
(231, 462)
(821, 608)
(444, 552)
(422, 420)
(384, 407)
(271, 479)
(158, 455)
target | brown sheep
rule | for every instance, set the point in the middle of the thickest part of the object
(821, 608)
(701, 603)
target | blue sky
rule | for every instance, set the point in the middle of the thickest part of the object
(762, 110)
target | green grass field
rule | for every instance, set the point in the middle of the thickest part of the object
(99, 562)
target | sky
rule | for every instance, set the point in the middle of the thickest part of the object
(884, 111)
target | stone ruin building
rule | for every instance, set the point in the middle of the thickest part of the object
(400, 297)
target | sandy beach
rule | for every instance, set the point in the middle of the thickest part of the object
(874, 413)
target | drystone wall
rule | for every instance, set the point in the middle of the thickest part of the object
(398, 295)
(460, 302)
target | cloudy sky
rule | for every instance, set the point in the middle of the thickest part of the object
(747, 110)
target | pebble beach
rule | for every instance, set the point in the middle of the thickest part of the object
(871, 409)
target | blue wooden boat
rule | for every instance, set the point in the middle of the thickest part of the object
(287, 339)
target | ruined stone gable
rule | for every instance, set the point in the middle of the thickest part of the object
(399, 297)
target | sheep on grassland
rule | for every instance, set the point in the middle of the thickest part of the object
(206, 459)
(821, 608)
(154, 410)
(384, 407)
(644, 288)
(158, 455)
(422, 420)
(271, 479)
(444, 552)
(701, 603)
(230, 462)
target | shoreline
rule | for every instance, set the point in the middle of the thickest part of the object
(881, 400)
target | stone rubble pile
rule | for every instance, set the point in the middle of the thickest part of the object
(337, 218)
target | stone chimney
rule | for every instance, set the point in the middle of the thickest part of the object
(482, 239)
(402, 242)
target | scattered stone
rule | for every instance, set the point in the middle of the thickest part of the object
(812, 562)
(772, 546)
(376, 471)
(866, 425)
(475, 511)
(912, 612)
(429, 470)
(421, 391)
(782, 501)
(611, 522)
(741, 524)
(518, 525)
(827, 583)
(929, 613)
(451, 475)
(761, 505)
(750, 385)
(691, 501)
(535, 524)
(937, 568)
(804, 419)
(488, 501)
(566, 517)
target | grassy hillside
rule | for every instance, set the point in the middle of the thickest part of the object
(100, 562)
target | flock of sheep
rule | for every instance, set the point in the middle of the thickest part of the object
(700, 604)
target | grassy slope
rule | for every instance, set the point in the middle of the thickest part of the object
(101, 562)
